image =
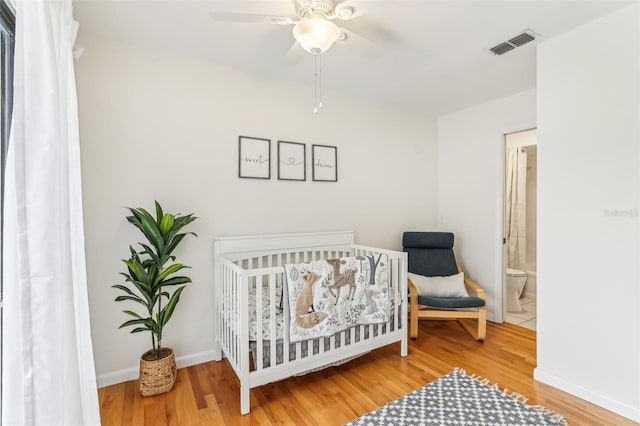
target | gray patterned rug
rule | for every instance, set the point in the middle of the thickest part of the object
(458, 399)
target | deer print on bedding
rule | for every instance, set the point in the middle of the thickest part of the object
(335, 294)
(306, 316)
(341, 279)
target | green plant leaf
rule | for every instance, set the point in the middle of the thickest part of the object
(168, 310)
(145, 291)
(137, 269)
(143, 287)
(139, 329)
(143, 321)
(133, 298)
(159, 212)
(171, 269)
(176, 281)
(152, 225)
(151, 253)
(133, 314)
(149, 227)
(166, 224)
(123, 288)
(179, 223)
(173, 243)
(124, 274)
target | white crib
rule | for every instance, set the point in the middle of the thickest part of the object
(252, 265)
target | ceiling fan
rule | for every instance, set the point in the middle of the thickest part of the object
(313, 29)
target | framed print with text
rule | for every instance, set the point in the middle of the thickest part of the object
(291, 161)
(254, 158)
(324, 160)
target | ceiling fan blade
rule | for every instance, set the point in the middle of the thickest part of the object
(295, 53)
(251, 18)
(351, 39)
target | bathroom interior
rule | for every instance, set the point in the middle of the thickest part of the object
(520, 304)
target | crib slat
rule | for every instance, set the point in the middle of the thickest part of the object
(298, 352)
(227, 303)
(394, 275)
(285, 337)
(259, 315)
(272, 320)
(396, 295)
(230, 305)
(237, 314)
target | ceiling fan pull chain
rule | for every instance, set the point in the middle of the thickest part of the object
(320, 82)
(315, 83)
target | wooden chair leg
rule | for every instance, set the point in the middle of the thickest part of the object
(413, 320)
(413, 310)
(481, 332)
(482, 323)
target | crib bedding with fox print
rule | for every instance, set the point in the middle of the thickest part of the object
(293, 303)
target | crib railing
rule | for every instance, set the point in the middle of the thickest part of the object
(230, 293)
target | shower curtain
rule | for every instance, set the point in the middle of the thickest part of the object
(516, 207)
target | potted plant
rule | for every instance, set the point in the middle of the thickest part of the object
(152, 282)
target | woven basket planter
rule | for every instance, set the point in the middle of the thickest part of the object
(157, 376)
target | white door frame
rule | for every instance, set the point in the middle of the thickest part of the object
(499, 248)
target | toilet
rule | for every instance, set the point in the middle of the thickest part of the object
(515, 285)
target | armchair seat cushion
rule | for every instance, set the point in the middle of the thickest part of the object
(451, 302)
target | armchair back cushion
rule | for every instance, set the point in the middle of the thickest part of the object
(430, 253)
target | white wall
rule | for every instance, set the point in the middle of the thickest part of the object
(165, 127)
(588, 222)
(470, 167)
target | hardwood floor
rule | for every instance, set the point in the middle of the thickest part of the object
(208, 394)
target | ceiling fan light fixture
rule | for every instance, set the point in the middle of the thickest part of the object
(316, 35)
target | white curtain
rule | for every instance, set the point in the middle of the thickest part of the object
(48, 369)
(516, 207)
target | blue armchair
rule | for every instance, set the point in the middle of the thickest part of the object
(431, 255)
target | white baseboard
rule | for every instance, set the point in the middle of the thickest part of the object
(617, 407)
(124, 375)
(119, 376)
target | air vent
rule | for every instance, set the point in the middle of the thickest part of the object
(517, 41)
(502, 48)
(521, 39)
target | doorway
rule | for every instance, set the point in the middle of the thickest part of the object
(520, 207)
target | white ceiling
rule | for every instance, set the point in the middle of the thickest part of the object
(429, 56)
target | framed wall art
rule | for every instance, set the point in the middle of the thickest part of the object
(292, 161)
(254, 158)
(325, 163)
